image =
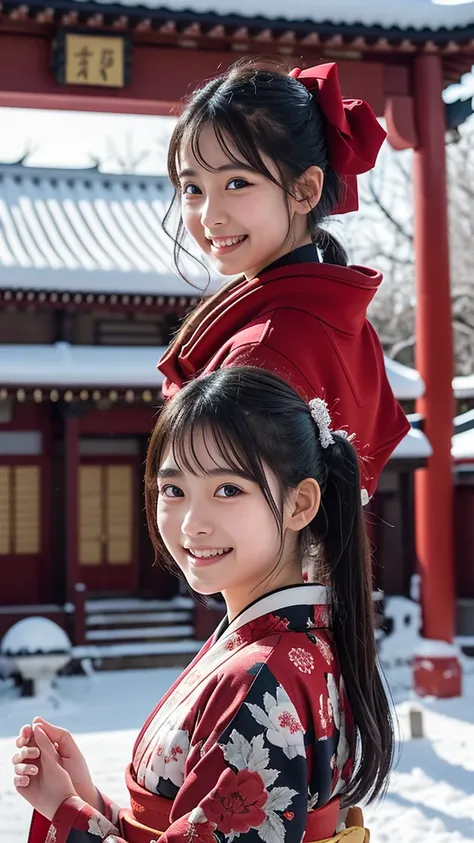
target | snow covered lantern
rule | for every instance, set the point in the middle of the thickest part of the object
(403, 619)
(39, 648)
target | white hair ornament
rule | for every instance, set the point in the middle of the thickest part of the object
(320, 414)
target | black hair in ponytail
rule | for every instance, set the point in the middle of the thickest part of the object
(255, 419)
(339, 529)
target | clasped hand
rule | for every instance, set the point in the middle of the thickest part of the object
(50, 768)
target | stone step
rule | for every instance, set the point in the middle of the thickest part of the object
(136, 604)
(111, 620)
(148, 633)
(134, 656)
(136, 632)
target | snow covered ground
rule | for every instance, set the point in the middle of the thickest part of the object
(431, 795)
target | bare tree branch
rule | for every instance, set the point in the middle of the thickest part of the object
(397, 347)
(404, 171)
(383, 236)
(385, 211)
(127, 157)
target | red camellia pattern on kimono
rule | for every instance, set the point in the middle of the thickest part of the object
(236, 802)
(321, 616)
(234, 642)
(266, 625)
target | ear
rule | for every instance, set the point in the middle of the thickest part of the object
(308, 190)
(302, 504)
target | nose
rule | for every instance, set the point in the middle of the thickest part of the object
(196, 523)
(213, 212)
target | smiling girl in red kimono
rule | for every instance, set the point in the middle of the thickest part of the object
(259, 159)
(256, 741)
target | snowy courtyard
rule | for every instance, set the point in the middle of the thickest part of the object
(431, 794)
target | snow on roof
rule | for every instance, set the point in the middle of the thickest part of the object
(399, 14)
(463, 445)
(86, 231)
(63, 364)
(406, 383)
(79, 365)
(465, 421)
(463, 386)
(415, 445)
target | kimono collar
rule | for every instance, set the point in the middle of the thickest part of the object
(289, 602)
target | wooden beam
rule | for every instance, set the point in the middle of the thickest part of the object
(160, 78)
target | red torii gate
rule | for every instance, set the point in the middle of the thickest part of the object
(400, 68)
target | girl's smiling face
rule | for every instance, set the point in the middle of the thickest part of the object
(237, 216)
(218, 527)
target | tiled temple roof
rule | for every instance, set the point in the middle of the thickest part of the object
(87, 231)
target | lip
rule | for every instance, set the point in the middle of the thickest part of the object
(219, 250)
(205, 561)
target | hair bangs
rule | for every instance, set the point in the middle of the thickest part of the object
(222, 440)
(233, 129)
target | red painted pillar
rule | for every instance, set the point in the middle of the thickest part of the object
(434, 360)
(71, 455)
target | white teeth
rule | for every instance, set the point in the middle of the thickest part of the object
(230, 241)
(207, 554)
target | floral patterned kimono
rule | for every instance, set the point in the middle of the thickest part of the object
(253, 743)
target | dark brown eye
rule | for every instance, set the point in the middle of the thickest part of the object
(228, 491)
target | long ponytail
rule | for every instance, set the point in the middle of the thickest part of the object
(339, 527)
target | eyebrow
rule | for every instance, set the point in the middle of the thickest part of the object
(173, 473)
(224, 168)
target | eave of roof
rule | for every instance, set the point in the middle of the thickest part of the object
(388, 27)
(407, 384)
(463, 386)
(415, 445)
(65, 364)
(87, 232)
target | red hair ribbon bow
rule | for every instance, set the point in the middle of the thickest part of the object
(354, 135)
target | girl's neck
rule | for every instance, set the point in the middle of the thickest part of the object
(238, 600)
(292, 242)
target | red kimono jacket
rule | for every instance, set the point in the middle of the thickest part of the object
(253, 743)
(307, 323)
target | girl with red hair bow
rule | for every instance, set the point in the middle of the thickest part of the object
(259, 159)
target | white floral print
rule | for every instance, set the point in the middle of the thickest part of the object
(252, 756)
(343, 748)
(333, 699)
(302, 659)
(324, 649)
(335, 703)
(99, 826)
(313, 799)
(51, 835)
(169, 759)
(281, 721)
(325, 712)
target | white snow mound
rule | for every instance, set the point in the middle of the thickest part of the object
(35, 635)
